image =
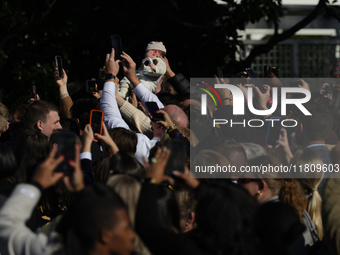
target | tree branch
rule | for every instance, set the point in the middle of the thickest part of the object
(276, 38)
(276, 27)
(29, 23)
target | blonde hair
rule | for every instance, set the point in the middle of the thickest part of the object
(4, 115)
(289, 190)
(4, 111)
(253, 150)
(186, 204)
(210, 157)
(207, 158)
(310, 186)
(3, 123)
(128, 188)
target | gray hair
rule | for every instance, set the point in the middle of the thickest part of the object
(253, 150)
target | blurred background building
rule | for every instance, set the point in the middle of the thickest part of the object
(311, 52)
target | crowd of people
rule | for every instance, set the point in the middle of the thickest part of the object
(121, 191)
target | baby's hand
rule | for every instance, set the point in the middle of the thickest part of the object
(153, 67)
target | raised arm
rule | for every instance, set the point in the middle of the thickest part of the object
(180, 84)
(15, 237)
(155, 236)
(65, 99)
(145, 95)
(141, 91)
(136, 118)
(108, 102)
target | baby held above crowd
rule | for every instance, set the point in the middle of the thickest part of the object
(151, 70)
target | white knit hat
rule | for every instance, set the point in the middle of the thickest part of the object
(156, 46)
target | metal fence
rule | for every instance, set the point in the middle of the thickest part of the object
(297, 58)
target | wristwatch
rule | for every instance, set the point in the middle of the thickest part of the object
(170, 128)
(109, 76)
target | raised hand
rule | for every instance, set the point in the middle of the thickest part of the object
(129, 69)
(44, 174)
(111, 65)
(133, 98)
(244, 90)
(190, 183)
(168, 73)
(155, 169)
(107, 140)
(303, 84)
(88, 138)
(167, 121)
(263, 97)
(283, 146)
(75, 182)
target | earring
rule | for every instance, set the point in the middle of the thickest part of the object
(259, 193)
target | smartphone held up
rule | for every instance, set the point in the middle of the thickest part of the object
(34, 92)
(273, 131)
(271, 69)
(96, 121)
(59, 66)
(66, 142)
(254, 79)
(152, 109)
(91, 86)
(176, 161)
(117, 46)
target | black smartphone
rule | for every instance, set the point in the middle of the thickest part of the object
(96, 121)
(100, 84)
(152, 109)
(66, 142)
(266, 70)
(274, 131)
(254, 78)
(90, 86)
(101, 79)
(176, 160)
(59, 65)
(219, 72)
(101, 73)
(34, 91)
(274, 70)
(117, 46)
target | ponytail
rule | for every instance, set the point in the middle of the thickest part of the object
(291, 193)
(310, 183)
(314, 210)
